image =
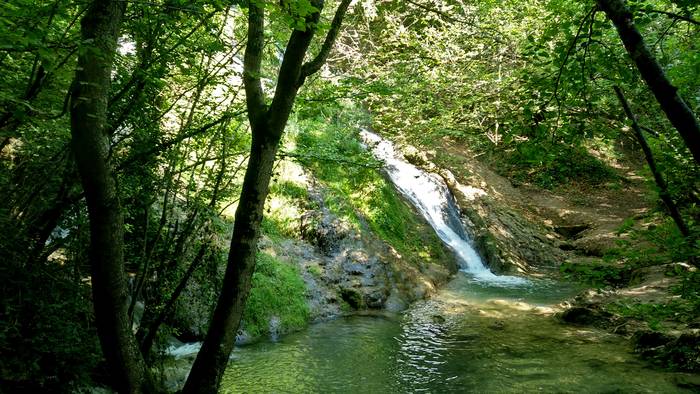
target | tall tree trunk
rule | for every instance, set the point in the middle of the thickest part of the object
(666, 94)
(660, 182)
(212, 359)
(267, 126)
(90, 143)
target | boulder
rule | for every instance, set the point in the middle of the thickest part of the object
(585, 315)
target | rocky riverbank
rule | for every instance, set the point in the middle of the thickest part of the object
(346, 267)
(565, 234)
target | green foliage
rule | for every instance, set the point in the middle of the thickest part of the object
(656, 244)
(549, 165)
(507, 78)
(598, 275)
(289, 189)
(655, 315)
(47, 340)
(689, 287)
(643, 247)
(357, 191)
(278, 291)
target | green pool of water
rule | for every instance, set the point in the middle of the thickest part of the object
(469, 338)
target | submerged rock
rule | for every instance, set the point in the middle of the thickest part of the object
(438, 319)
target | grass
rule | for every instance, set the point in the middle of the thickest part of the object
(278, 291)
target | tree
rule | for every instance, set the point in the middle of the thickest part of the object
(666, 94)
(90, 143)
(267, 125)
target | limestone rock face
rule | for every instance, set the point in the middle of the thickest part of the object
(323, 230)
(346, 269)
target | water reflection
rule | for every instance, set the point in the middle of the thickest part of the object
(473, 339)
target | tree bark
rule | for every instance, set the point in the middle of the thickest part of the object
(666, 94)
(90, 144)
(660, 182)
(267, 127)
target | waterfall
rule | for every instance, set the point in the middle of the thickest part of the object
(430, 195)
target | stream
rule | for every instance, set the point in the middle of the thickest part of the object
(471, 337)
(480, 333)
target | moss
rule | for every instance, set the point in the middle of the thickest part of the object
(278, 290)
(353, 298)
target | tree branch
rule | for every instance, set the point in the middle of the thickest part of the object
(658, 177)
(314, 65)
(177, 139)
(672, 15)
(290, 73)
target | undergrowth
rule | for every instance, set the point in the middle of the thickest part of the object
(277, 291)
(549, 165)
(654, 245)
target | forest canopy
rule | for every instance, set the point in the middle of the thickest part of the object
(140, 141)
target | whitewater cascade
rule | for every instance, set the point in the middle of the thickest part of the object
(430, 195)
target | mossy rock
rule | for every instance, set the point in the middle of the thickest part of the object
(352, 297)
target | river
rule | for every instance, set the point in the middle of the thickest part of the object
(471, 337)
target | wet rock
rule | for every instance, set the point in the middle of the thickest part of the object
(680, 353)
(690, 382)
(571, 231)
(498, 325)
(243, 337)
(323, 230)
(414, 156)
(395, 302)
(567, 246)
(275, 327)
(695, 323)
(508, 242)
(352, 297)
(355, 268)
(375, 299)
(583, 315)
(595, 246)
(645, 340)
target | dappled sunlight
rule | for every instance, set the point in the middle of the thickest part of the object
(471, 193)
(451, 342)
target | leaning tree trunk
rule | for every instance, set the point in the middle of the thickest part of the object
(90, 143)
(660, 182)
(267, 126)
(666, 94)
